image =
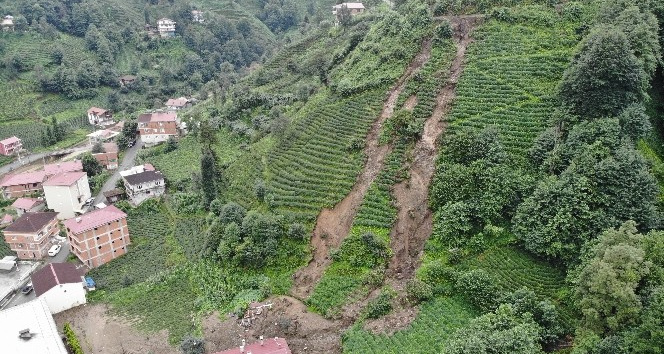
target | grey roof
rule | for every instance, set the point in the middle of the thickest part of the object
(143, 177)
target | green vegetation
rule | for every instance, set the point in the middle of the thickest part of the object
(72, 341)
(436, 321)
(512, 72)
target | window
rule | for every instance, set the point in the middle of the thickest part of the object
(99, 247)
(97, 237)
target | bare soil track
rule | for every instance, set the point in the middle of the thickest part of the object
(333, 225)
(414, 220)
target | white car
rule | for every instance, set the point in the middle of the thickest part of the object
(60, 238)
(55, 249)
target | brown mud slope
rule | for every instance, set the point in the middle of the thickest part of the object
(414, 220)
(288, 318)
(333, 225)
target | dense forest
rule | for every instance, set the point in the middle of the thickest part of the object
(533, 217)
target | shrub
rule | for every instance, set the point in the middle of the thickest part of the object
(479, 289)
(191, 345)
(380, 306)
(418, 290)
(72, 341)
(297, 231)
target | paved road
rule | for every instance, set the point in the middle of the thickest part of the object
(61, 257)
(127, 162)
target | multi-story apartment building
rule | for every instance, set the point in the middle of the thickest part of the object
(22, 184)
(30, 235)
(10, 145)
(157, 127)
(99, 236)
(66, 193)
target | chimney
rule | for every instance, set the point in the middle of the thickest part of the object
(262, 342)
(78, 219)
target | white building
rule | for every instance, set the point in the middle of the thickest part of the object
(197, 16)
(143, 184)
(166, 27)
(157, 127)
(30, 329)
(100, 116)
(60, 285)
(66, 193)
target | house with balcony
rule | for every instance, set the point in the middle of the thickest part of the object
(157, 127)
(10, 146)
(99, 236)
(30, 235)
(63, 167)
(108, 158)
(143, 185)
(166, 28)
(28, 205)
(100, 116)
(66, 193)
(22, 184)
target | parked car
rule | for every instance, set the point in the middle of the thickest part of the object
(27, 289)
(55, 249)
(89, 201)
(60, 238)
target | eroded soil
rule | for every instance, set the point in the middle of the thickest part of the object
(333, 225)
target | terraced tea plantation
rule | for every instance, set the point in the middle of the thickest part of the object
(511, 76)
(437, 320)
(316, 166)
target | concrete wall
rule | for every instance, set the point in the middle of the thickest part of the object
(64, 296)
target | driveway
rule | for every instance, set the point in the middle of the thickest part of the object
(127, 162)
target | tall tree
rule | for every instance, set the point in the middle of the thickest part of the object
(606, 290)
(604, 77)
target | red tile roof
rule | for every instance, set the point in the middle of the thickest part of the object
(69, 166)
(26, 203)
(97, 111)
(24, 178)
(157, 117)
(64, 179)
(31, 222)
(148, 167)
(11, 140)
(94, 219)
(274, 345)
(54, 274)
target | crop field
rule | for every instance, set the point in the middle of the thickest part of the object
(179, 164)
(317, 164)
(511, 76)
(436, 321)
(245, 171)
